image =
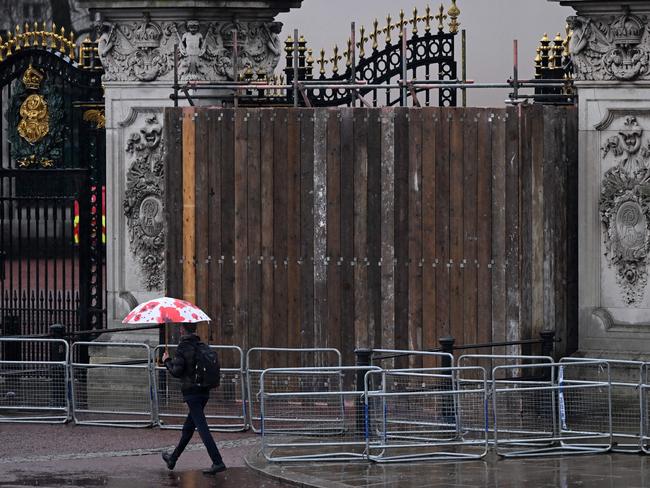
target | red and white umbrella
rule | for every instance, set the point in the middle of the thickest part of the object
(166, 310)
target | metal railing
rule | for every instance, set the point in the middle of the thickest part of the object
(226, 409)
(116, 390)
(256, 357)
(34, 391)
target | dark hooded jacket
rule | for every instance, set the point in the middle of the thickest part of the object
(183, 364)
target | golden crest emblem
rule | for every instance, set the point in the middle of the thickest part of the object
(34, 123)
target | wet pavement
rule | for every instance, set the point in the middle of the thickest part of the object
(602, 471)
(81, 456)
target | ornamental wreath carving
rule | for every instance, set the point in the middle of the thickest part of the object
(610, 47)
(144, 50)
(625, 208)
(143, 201)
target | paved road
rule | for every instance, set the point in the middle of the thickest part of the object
(83, 456)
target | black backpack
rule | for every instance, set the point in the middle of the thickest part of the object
(207, 372)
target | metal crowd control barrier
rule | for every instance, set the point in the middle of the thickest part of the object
(626, 378)
(257, 361)
(34, 391)
(466, 379)
(116, 390)
(418, 415)
(306, 415)
(559, 416)
(645, 409)
(226, 409)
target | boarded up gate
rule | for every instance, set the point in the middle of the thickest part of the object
(374, 227)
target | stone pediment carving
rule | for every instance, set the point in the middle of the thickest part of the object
(144, 50)
(625, 207)
(610, 47)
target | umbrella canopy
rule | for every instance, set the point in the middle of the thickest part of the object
(165, 310)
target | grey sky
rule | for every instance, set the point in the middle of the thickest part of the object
(491, 26)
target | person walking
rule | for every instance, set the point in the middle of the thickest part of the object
(184, 366)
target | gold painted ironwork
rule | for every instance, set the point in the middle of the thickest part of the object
(30, 161)
(402, 22)
(27, 37)
(427, 19)
(387, 30)
(453, 14)
(348, 54)
(322, 61)
(34, 122)
(374, 36)
(441, 17)
(414, 21)
(335, 59)
(89, 55)
(362, 42)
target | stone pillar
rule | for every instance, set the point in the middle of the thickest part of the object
(136, 40)
(610, 51)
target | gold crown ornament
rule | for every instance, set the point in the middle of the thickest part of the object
(32, 78)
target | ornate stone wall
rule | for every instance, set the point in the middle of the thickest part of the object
(143, 50)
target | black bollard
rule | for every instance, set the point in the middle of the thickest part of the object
(363, 359)
(447, 345)
(548, 342)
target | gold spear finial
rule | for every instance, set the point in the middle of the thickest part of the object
(26, 34)
(322, 61)
(387, 30)
(71, 45)
(374, 35)
(427, 19)
(414, 21)
(362, 42)
(400, 25)
(453, 14)
(43, 34)
(335, 59)
(18, 36)
(9, 43)
(1, 49)
(441, 17)
(348, 54)
(62, 40)
(53, 37)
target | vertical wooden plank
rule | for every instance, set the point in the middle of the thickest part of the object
(254, 237)
(174, 201)
(320, 226)
(214, 236)
(442, 225)
(430, 120)
(570, 145)
(293, 233)
(513, 204)
(228, 226)
(484, 226)
(280, 233)
(374, 227)
(499, 228)
(334, 230)
(470, 256)
(307, 229)
(189, 204)
(456, 225)
(360, 184)
(401, 233)
(537, 221)
(415, 263)
(551, 150)
(347, 236)
(241, 229)
(267, 212)
(387, 228)
(202, 217)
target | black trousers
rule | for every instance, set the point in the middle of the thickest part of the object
(196, 420)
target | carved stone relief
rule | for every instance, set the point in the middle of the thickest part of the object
(625, 208)
(143, 205)
(610, 47)
(144, 50)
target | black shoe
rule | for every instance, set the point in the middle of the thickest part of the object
(169, 459)
(216, 468)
